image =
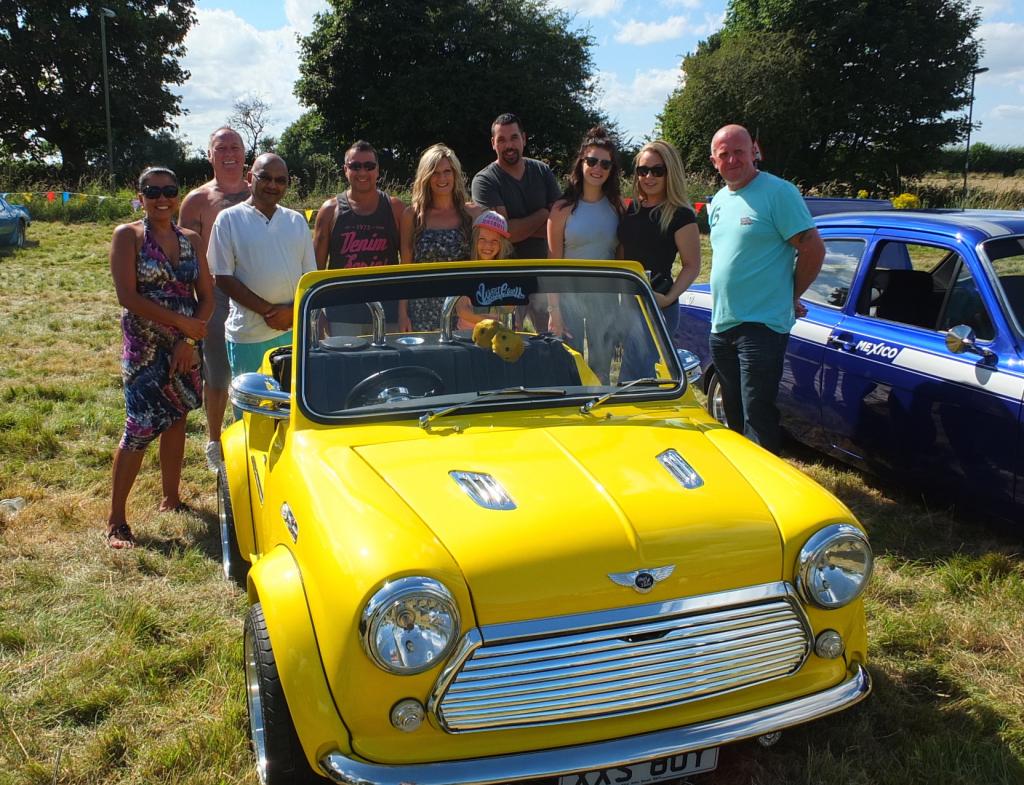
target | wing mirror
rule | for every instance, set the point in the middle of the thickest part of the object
(258, 393)
(961, 339)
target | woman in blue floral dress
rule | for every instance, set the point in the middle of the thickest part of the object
(435, 228)
(162, 282)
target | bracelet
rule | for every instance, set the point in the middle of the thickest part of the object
(189, 341)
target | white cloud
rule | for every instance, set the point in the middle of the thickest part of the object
(229, 58)
(300, 13)
(633, 104)
(596, 8)
(643, 33)
(1003, 52)
(691, 4)
(1008, 112)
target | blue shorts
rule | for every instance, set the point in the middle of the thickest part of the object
(248, 357)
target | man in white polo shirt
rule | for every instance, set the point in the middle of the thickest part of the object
(258, 251)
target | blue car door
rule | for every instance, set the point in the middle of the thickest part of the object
(799, 398)
(894, 396)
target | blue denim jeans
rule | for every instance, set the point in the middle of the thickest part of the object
(748, 360)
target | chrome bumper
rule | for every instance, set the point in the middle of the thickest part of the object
(603, 754)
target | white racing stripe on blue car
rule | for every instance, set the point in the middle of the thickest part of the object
(696, 299)
(811, 332)
(960, 372)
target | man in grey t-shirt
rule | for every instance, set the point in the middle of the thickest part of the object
(521, 189)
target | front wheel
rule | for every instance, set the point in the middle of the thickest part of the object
(715, 403)
(18, 238)
(279, 756)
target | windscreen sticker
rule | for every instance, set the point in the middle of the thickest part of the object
(502, 294)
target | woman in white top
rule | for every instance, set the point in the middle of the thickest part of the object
(584, 224)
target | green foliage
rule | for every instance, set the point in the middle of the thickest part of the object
(1004, 160)
(860, 93)
(53, 74)
(405, 74)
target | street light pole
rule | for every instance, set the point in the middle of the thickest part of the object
(970, 125)
(104, 13)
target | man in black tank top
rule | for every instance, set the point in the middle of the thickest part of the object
(358, 228)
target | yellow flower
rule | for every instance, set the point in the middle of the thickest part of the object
(906, 202)
(862, 194)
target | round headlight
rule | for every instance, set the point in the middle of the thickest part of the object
(410, 625)
(834, 566)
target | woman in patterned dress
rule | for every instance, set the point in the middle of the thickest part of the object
(435, 228)
(164, 286)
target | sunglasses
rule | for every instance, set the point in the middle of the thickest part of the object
(657, 171)
(358, 166)
(156, 191)
(263, 177)
(604, 163)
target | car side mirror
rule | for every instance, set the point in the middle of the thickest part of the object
(961, 339)
(258, 393)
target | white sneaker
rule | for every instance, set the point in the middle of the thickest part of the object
(214, 456)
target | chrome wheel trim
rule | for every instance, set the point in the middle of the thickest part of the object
(254, 702)
(716, 405)
(222, 518)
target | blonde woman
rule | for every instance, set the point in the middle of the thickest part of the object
(436, 227)
(659, 224)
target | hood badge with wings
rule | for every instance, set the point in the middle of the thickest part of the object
(642, 580)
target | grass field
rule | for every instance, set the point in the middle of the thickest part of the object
(125, 667)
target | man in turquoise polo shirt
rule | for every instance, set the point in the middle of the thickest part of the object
(765, 253)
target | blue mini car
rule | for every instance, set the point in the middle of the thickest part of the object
(14, 219)
(911, 357)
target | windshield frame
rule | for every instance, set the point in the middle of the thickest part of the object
(1008, 315)
(399, 273)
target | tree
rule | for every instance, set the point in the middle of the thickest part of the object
(251, 114)
(405, 74)
(52, 73)
(856, 93)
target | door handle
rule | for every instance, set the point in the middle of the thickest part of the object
(840, 343)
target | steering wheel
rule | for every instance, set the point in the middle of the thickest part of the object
(395, 384)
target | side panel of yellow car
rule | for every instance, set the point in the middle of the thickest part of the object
(276, 583)
(236, 467)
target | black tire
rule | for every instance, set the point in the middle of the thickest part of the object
(18, 238)
(279, 756)
(716, 408)
(235, 568)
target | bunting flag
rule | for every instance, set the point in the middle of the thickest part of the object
(50, 196)
(309, 215)
(64, 197)
(698, 206)
(136, 204)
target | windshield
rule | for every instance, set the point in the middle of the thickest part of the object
(422, 341)
(1006, 261)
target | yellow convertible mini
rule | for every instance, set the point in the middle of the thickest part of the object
(507, 544)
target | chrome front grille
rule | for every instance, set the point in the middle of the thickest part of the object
(595, 665)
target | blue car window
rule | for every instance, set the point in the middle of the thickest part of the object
(832, 286)
(965, 306)
(1006, 258)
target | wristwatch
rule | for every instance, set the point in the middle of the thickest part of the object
(189, 341)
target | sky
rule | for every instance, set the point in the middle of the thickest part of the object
(241, 48)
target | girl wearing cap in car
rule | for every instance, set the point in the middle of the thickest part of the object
(490, 240)
(162, 281)
(659, 224)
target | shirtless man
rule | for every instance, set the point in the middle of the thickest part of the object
(226, 153)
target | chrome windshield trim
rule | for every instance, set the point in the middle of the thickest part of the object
(347, 770)
(655, 611)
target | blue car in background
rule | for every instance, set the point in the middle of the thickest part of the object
(14, 220)
(910, 360)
